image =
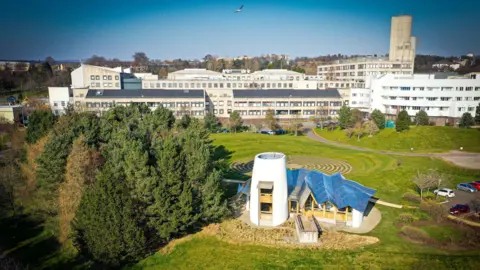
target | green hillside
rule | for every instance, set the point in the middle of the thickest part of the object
(421, 139)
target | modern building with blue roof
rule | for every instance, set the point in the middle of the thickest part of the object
(328, 198)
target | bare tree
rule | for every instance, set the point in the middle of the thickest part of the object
(359, 130)
(370, 128)
(475, 203)
(431, 179)
(270, 120)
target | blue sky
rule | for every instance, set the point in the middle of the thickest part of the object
(34, 29)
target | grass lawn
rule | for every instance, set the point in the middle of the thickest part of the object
(421, 139)
(442, 233)
(373, 170)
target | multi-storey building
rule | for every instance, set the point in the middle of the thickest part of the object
(399, 61)
(440, 98)
(197, 91)
(96, 77)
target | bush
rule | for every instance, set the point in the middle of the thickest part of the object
(436, 211)
(432, 123)
(403, 121)
(404, 219)
(411, 197)
(415, 234)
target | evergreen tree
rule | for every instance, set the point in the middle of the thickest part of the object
(82, 164)
(105, 225)
(171, 214)
(211, 123)
(467, 120)
(357, 116)
(39, 124)
(421, 118)
(345, 117)
(379, 118)
(213, 206)
(403, 121)
(184, 122)
(477, 115)
(235, 121)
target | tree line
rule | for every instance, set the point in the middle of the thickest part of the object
(38, 76)
(117, 187)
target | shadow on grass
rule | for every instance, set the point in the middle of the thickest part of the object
(25, 240)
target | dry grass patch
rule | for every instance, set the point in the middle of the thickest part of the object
(236, 231)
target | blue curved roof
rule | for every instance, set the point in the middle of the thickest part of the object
(333, 188)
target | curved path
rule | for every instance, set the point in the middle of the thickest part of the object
(464, 159)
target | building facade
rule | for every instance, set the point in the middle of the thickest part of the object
(450, 97)
(59, 98)
(399, 61)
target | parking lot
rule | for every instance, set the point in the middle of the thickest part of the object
(462, 197)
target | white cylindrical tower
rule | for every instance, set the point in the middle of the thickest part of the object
(269, 190)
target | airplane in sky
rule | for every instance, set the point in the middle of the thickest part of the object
(239, 10)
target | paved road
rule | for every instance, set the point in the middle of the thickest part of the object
(309, 132)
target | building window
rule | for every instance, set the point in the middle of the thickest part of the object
(152, 85)
(468, 88)
(117, 77)
(93, 84)
(192, 85)
(174, 85)
(97, 77)
(157, 85)
(105, 77)
(164, 85)
(105, 84)
(459, 98)
(117, 84)
(98, 84)
(470, 109)
(109, 77)
(92, 77)
(404, 88)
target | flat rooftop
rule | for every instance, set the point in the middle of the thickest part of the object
(143, 93)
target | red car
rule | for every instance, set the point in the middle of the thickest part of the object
(476, 185)
(459, 208)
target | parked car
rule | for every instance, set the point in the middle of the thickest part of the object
(445, 192)
(280, 131)
(475, 185)
(223, 131)
(466, 187)
(269, 132)
(459, 208)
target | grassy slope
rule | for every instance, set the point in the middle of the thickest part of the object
(373, 170)
(421, 139)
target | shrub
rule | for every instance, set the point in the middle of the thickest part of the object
(437, 211)
(415, 234)
(411, 197)
(404, 219)
(403, 121)
(432, 123)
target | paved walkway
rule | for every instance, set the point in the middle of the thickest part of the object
(464, 159)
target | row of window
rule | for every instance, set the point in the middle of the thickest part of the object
(286, 104)
(56, 103)
(97, 84)
(360, 94)
(365, 66)
(150, 104)
(278, 112)
(105, 77)
(432, 98)
(408, 88)
(418, 108)
(217, 85)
